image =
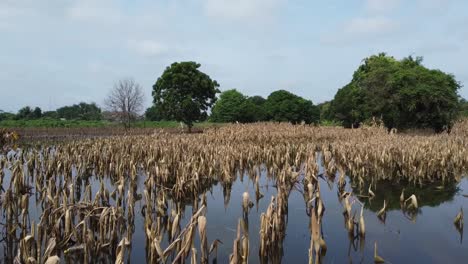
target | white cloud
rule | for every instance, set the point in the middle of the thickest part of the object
(434, 4)
(370, 25)
(362, 29)
(438, 47)
(99, 67)
(242, 10)
(148, 47)
(94, 11)
(10, 12)
(381, 6)
(95, 42)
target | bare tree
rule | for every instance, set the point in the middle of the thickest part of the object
(125, 100)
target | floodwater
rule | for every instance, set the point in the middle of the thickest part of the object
(425, 236)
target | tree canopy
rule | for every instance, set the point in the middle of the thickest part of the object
(230, 107)
(403, 93)
(233, 106)
(254, 108)
(184, 93)
(81, 111)
(463, 107)
(29, 113)
(6, 116)
(284, 106)
(154, 114)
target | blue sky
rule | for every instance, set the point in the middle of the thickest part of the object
(59, 52)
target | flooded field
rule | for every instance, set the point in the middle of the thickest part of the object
(239, 194)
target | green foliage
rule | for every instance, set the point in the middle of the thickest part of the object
(29, 113)
(254, 108)
(36, 113)
(24, 113)
(184, 93)
(6, 116)
(229, 107)
(330, 123)
(404, 94)
(463, 108)
(348, 106)
(284, 106)
(325, 111)
(233, 106)
(281, 105)
(50, 114)
(81, 111)
(153, 114)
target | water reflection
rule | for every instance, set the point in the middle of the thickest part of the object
(431, 194)
(232, 231)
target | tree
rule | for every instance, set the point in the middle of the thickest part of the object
(184, 93)
(229, 107)
(50, 114)
(68, 112)
(404, 94)
(153, 114)
(347, 106)
(81, 111)
(2, 115)
(125, 100)
(284, 106)
(254, 108)
(233, 106)
(24, 113)
(36, 113)
(325, 111)
(463, 107)
(89, 111)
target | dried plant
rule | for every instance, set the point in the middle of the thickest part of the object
(87, 192)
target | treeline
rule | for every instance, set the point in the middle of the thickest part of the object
(82, 111)
(398, 93)
(233, 106)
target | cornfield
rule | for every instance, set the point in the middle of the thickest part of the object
(79, 200)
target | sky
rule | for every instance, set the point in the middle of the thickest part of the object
(60, 52)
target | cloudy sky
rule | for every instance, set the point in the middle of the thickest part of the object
(59, 52)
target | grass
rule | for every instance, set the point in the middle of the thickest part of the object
(50, 123)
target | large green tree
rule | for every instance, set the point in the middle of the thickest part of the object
(233, 106)
(184, 93)
(284, 106)
(348, 106)
(229, 107)
(255, 108)
(403, 93)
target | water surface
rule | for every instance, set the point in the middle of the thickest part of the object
(427, 235)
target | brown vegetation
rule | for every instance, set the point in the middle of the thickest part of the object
(177, 169)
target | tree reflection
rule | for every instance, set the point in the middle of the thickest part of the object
(431, 194)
